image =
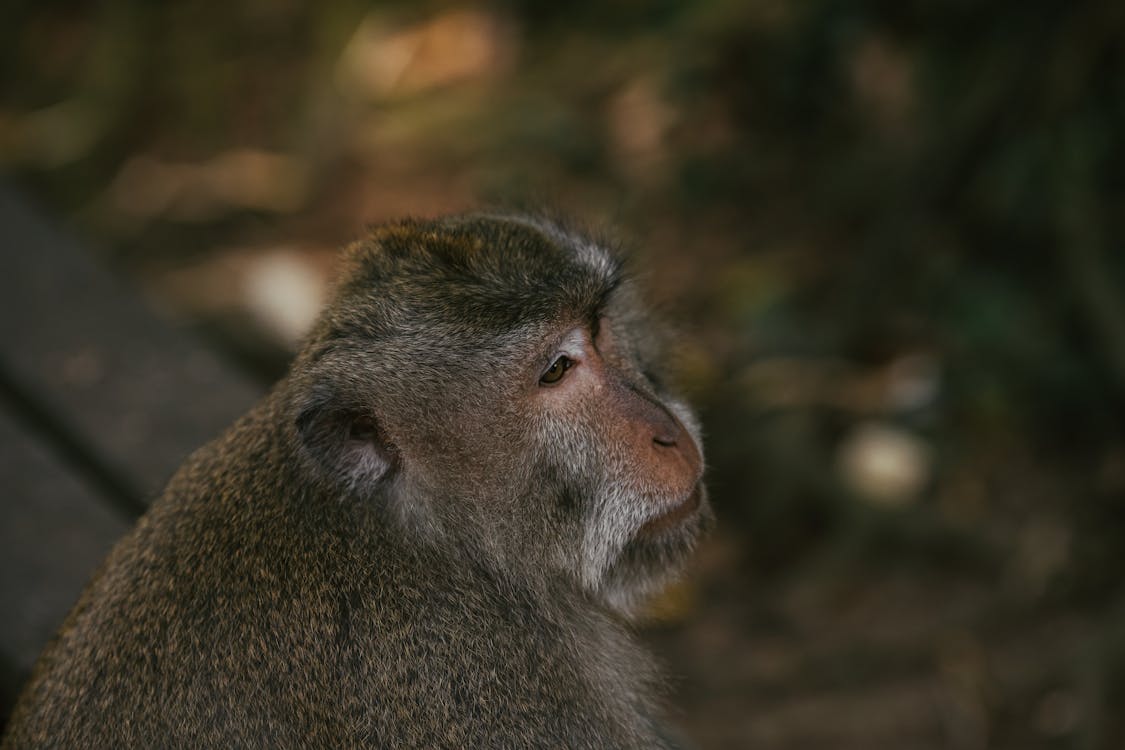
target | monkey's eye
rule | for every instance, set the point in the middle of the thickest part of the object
(556, 371)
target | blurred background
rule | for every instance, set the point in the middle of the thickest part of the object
(891, 233)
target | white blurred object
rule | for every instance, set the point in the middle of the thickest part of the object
(884, 464)
(284, 293)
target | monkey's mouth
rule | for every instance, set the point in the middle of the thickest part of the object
(674, 517)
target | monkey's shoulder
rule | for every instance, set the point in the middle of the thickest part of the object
(358, 638)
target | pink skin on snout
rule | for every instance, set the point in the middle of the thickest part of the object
(655, 441)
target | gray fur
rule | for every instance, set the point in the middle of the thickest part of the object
(398, 547)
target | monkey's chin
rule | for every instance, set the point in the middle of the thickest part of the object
(657, 553)
(674, 518)
(645, 567)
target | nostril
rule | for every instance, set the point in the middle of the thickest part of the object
(664, 441)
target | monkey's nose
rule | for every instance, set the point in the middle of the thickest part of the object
(667, 432)
(675, 447)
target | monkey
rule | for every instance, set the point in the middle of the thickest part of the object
(435, 531)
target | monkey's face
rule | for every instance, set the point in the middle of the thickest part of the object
(494, 381)
(628, 453)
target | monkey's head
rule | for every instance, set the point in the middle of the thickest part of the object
(494, 384)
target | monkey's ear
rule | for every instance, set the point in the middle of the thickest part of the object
(345, 443)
